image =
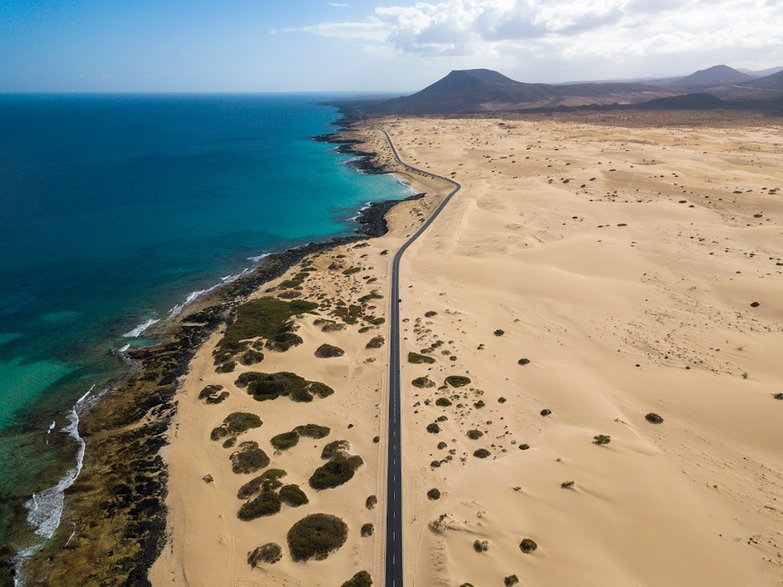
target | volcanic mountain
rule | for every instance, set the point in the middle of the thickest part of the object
(719, 75)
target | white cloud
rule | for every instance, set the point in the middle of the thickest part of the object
(337, 4)
(575, 30)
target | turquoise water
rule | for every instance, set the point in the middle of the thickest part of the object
(115, 209)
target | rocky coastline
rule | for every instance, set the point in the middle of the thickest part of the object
(114, 523)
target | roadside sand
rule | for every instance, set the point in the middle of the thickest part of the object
(622, 263)
(629, 293)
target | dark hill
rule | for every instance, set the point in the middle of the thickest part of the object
(771, 82)
(718, 75)
(686, 102)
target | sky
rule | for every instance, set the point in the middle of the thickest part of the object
(393, 46)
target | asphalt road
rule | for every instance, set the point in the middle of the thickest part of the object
(394, 568)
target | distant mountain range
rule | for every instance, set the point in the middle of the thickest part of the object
(484, 90)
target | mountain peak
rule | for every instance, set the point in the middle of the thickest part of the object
(717, 75)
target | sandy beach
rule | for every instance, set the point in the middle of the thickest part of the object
(589, 273)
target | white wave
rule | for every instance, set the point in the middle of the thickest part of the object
(44, 509)
(49, 431)
(259, 258)
(136, 332)
(356, 216)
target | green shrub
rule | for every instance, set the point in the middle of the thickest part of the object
(338, 470)
(433, 494)
(266, 504)
(249, 458)
(523, 362)
(479, 404)
(481, 453)
(653, 418)
(285, 440)
(251, 357)
(334, 448)
(416, 358)
(600, 439)
(422, 382)
(443, 402)
(474, 434)
(235, 424)
(370, 502)
(267, 481)
(528, 545)
(524, 446)
(375, 342)
(269, 386)
(248, 377)
(226, 367)
(313, 431)
(282, 341)
(777, 395)
(265, 317)
(367, 530)
(480, 545)
(510, 580)
(499, 332)
(292, 495)
(316, 536)
(269, 553)
(360, 579)
(328, 351)
(457, 380)
(433, 428)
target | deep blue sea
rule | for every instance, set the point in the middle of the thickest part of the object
(113, 209)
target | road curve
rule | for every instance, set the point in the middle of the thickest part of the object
(394, 568)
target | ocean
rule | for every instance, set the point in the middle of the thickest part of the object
(115, 210)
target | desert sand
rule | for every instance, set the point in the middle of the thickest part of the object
(636, 269)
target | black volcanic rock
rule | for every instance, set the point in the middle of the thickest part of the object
(686, 102)
(719, 75)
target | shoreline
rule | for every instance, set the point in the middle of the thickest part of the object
(136, 411)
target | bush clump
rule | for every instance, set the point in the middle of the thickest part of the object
(269, 318)
(443, 402)
(316, 536)
(481, 545)
(510, 580)
(334, 448)
(213, 394)
(269, 386)
(457, 380)
(433, 428)
(418, 359)
(367, 530)
(360, 579)
(285, 440)
(499, 332)
(423, 382)
(235, 424)
(528, 545)
(523, 362)
(777, 395)
(267, 481)
(266, 504)
(338, 470)
(327, 351)
(226, 367)
(433, 494)
(653, 418)
(251, 357)
(292, 495)
(474, 434)
(481, 453)
(312, 431)
(249, 458)
(545, 412)
(601, 439)
(376, 342)
(269, 553)
(370, 502)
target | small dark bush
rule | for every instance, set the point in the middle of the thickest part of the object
(209, 391)
(546, 412)
(602, 439)
(430, 314)
(282, 341)
(251, 357)
(433, 494)
(480, 545)
(523, 362)
(226, 367)
(313, 431)
(527, 545)
(754, 304)
(245, 378)
(457, 380)
(499, 332)
(433, 428)
(316, 536)
(376, 439)
(479, 404)
(510, 580)
(360, 579)
(481, 453)
(474, 434)
(376, 342)
(442, 445)
(268, 386)
(417, 359)
(235, 424)
(653, 418)
(269, 553)
(266, 504)
(370, 502)
(567, 484)
(443, 402)
(292, 495)
(266, 481)
(285, 440)
(334, 448)
(249, 458)
(340, 469)
(422, 382)
(327, 351)
(501, 400)
(367, 530)
(777, 395)
(524, 446)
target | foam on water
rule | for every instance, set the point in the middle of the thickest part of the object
(136, 332)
